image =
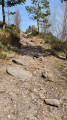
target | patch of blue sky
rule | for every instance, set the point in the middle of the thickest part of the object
(26, 21)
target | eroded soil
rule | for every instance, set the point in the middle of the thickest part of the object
(24, 99)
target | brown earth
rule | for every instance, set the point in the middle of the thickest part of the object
(22, 99)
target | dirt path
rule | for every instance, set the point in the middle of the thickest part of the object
(23, 99)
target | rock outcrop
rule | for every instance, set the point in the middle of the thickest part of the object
(31, 29)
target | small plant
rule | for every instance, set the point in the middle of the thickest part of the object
(53, 52)
(58, 45)
(34, 33)
(8, 29)
(3, 55)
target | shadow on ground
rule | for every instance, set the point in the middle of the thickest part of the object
(37, 51)
(33, 51)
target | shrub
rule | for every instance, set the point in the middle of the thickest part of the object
(3, 56)
(8, 29)
(53, 52)
(15, 37)
(58, 45)
(10, 35)
(3, 37)
(35, 33)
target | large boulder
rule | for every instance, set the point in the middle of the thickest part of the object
(19, 72)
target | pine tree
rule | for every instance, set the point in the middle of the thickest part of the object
(14, 2)
(9, 3)
(39, 11)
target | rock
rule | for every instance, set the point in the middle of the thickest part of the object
(43, 76)
(32, 40)
(1, 78)
(36, 56)
(18, 62)
(40, 59)
(31, 29)
(29, 36)
(34, 28)
(9, 116)
(52, 102)
(11, 55)
(19, 72)
(47, 79)
(46, 41)
(24, 35)
(49, 118)
(2, 91)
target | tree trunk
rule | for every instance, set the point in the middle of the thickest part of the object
(64, 32)
(3, 12)
(38, 25)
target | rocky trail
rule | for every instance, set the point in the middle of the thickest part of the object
(31, 88)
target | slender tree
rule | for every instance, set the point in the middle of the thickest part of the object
(9, 3)
(39, 11)
(17, 18)
(64, 32)
(3, 12)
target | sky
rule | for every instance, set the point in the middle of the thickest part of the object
(26, 22)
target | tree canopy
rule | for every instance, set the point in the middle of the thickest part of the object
(14, 2)
(39, 11)
(9, 3)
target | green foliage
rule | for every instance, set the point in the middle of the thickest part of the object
(14, 2)
(50, 52)
(9, 3)
(58, 45)
(34, 33)
(52, 45)
(41, 35)
(8, 29)
(3, 56)
(53, 52)
(46, 37)
(39, 10)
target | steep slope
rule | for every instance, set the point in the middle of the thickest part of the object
(23, 98)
